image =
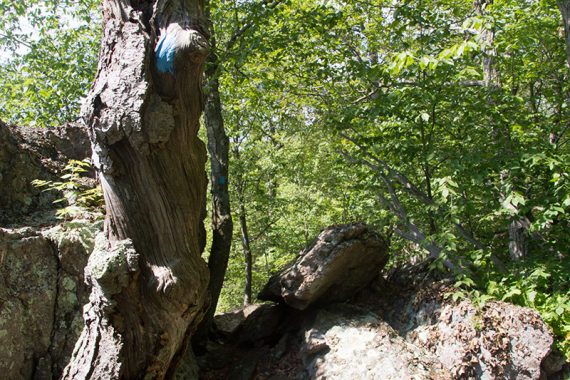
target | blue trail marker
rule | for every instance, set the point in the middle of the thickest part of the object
(165, 52)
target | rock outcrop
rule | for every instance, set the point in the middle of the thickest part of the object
(347, 342)
(393, 329)
(495, 341)
(27, 154)
(42, 290)
(42, 293)
(342, 260)
(498, 341)
(28, 304)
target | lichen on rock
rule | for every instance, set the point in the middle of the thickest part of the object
(353, 343)
(111, 268)
(28, 298)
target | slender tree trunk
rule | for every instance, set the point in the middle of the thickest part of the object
(490, 75)
(247, 255)
(564, 6)
(240, 186)
(427, 168)
(517, 241)
(222, 225)
(147, 276)
(517, 230)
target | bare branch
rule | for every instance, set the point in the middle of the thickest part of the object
(408, 186)
(413, 233)
(395, 206)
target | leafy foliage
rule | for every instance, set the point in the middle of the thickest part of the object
(48, 56)
(405, 81)
(80, 200)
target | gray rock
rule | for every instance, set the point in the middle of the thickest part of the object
(42, 292)
(73, 245)
(27, 154)
(28, 294)
(228, 323)
(341, 261)
(262, 324)
(497, 341)
(346, 342)
(42, 287)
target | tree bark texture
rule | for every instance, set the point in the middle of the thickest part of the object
(147, 276)
(517, 238)
(564, 6)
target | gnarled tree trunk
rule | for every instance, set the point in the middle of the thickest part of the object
(147, 277)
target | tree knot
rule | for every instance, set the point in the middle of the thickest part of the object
(111, 268)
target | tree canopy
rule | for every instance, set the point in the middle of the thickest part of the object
(48, 55)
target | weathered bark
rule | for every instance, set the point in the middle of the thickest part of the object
(222, 225)
(147, 277)
(564, 6)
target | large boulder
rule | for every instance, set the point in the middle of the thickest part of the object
(342, 260)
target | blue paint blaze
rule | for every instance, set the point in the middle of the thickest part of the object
(164, 52)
